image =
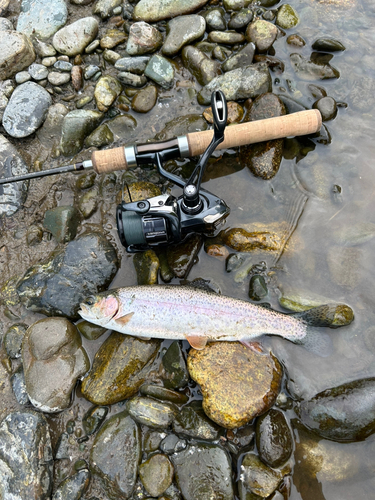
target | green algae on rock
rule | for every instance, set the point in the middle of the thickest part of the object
(156, 474)
(120, 367)
(243, 241)
(147, 267)
(233, 400)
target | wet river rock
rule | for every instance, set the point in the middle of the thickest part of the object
(257, 478)
(240, 83)
(83, 267)
(120, 367)
(230, 400)
(26, 463)
(274, 438)
(115, 455)
(73, 487)
(199, 64)
(12, 196)
(197, 478)
(72, 39)
(53, 359)
(263, 159)
(244, 241)
(26, 110)
(76, 126)
(343, 413)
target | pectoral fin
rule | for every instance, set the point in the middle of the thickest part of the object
(197, 341)
(122, 320)
(254, 346)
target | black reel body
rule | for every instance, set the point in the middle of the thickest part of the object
(164, 219)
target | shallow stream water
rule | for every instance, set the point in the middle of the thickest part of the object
(339, 183)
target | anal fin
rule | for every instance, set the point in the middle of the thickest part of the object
(197, 341)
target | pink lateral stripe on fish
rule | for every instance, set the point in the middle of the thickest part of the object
(182, 312)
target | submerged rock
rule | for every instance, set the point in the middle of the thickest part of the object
(343, 413)
(115, 455)
(12, 196)
(26, 463)
(309, 70)
(84, 266)
(203, 471)
(243, 241)
(182, 256)
(228, 401)
(26, 110)
(240, 83)
(53, 359)
(147, 267)
(176, 375)
(180, 126)
(287, 17)
(120, 367)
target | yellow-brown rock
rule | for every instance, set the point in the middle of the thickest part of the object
(237, 383)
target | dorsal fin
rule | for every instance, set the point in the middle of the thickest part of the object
(197, 341)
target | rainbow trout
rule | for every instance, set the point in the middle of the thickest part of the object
(182, 312)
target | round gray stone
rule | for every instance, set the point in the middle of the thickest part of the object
(57, 78)
(42, 18)
(5, 24)
(181, 31)
(22, 77)
(72, 39)
(38, 71)
(27, 109)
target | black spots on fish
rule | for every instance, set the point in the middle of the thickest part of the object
(316, 342)
(330, 315)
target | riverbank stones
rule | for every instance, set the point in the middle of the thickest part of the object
(227, 400)
(26, 110)
(76, 126)
(16, 53)
(72, 39)
(143, 38)
(53, 359)
(42, 18)
(161, 71)
(26, 462)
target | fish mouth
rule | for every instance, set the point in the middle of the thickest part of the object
(84, 311)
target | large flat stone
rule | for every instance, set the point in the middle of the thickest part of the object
(151, 11)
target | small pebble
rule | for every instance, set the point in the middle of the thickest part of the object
(56, 78)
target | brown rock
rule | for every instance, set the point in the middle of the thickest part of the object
(77, 77)
(243, 241)
(237, 384)
(119, 369)
(16, 53)
(145, 99)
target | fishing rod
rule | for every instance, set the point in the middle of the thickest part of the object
(163, 219)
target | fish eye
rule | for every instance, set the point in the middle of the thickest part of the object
(90, 301)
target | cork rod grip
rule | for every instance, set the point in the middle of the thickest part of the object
(300, 123)
(109, 160)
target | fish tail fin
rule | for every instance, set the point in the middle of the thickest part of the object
(317, 342)
(331, 315)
